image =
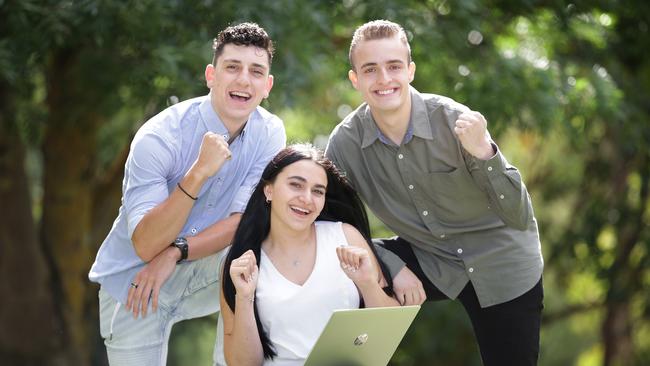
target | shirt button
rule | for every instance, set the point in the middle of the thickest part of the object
(400, 156)
(471, 269)
(489, 169)
(502, 196)
(410, 186)
(424, 213)
(193, 230)
(460, 251)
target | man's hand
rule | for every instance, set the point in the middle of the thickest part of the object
(147, 283)
(408, 288)
(213, 153)
(471, 129)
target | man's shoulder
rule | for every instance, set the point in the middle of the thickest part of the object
(262, 114)
(435, 101)
(349, 129)
(264, 123)
(167, 125)
(170, 117)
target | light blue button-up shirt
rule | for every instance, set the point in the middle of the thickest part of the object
(162, 151)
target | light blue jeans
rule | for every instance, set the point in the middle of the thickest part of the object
(192, 291)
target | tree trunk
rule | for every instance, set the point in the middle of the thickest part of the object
(68, 158)
(617, 335)
(25, 283)
(624, 278)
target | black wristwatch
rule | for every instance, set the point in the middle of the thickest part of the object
(181, 244)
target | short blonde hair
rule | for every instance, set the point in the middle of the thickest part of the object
(378, 29)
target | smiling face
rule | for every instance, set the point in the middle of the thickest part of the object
(297, 194)
(238, 82)
(382, 74)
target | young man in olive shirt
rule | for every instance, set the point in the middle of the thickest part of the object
(427, 167)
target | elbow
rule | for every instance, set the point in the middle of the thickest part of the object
(141, 249)
(520, 225)
(522, 220)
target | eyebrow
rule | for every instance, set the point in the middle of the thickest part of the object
(368, 64)
(297, 177)
(235, 61)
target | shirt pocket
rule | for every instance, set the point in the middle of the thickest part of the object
(457, 201)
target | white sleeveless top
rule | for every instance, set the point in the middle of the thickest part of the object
(293, 315)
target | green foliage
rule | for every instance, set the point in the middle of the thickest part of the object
(565, 88)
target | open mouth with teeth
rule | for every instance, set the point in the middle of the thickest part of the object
(386, 91)
(300, 211)
(239, 96)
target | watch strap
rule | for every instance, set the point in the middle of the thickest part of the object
(181, 244)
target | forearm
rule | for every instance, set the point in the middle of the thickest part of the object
(162, 224)
(213, 239)
(374, 296)
(505, 189)
(245, 347)
(391, 260)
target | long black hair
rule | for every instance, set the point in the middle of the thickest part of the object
(341, 204)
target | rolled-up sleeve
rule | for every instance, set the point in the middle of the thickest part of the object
(275, 142)
(505, 189)
(145, 181)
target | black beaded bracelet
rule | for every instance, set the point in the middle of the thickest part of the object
(184, 191)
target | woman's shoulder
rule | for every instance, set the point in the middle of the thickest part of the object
(323, 224)
(348, 234)
(330, 232)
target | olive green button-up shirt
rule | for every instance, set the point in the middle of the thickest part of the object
(467, 219)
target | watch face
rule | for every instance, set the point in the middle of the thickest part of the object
(181, 244)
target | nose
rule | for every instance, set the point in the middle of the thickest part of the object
(243, 78)
(384, 77)
(306, 196)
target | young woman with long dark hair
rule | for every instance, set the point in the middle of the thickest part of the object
(301, 251)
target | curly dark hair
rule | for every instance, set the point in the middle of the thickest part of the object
(244, 34)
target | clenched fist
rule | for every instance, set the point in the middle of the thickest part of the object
(471, 129)
(357, 265)
(244, 273)
(213, 153)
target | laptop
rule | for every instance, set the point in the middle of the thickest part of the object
(362, 337)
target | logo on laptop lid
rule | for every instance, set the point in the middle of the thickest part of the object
(361, 339)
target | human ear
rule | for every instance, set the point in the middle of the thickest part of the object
(209, 75)
(411, 71)
(268, 192)
(269, 86)
(352, 75)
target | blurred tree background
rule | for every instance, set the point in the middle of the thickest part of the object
(565, 86)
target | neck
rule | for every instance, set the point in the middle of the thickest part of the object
(394, 124)
(234, 127)
(285, 238)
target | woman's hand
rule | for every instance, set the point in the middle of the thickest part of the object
(357, 265)
(244, 272)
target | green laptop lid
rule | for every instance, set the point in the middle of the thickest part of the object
(362, 337)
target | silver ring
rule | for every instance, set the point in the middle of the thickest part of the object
(134, 285)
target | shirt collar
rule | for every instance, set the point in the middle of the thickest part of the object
(418, 123)
(420, 116)
(212, 121)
